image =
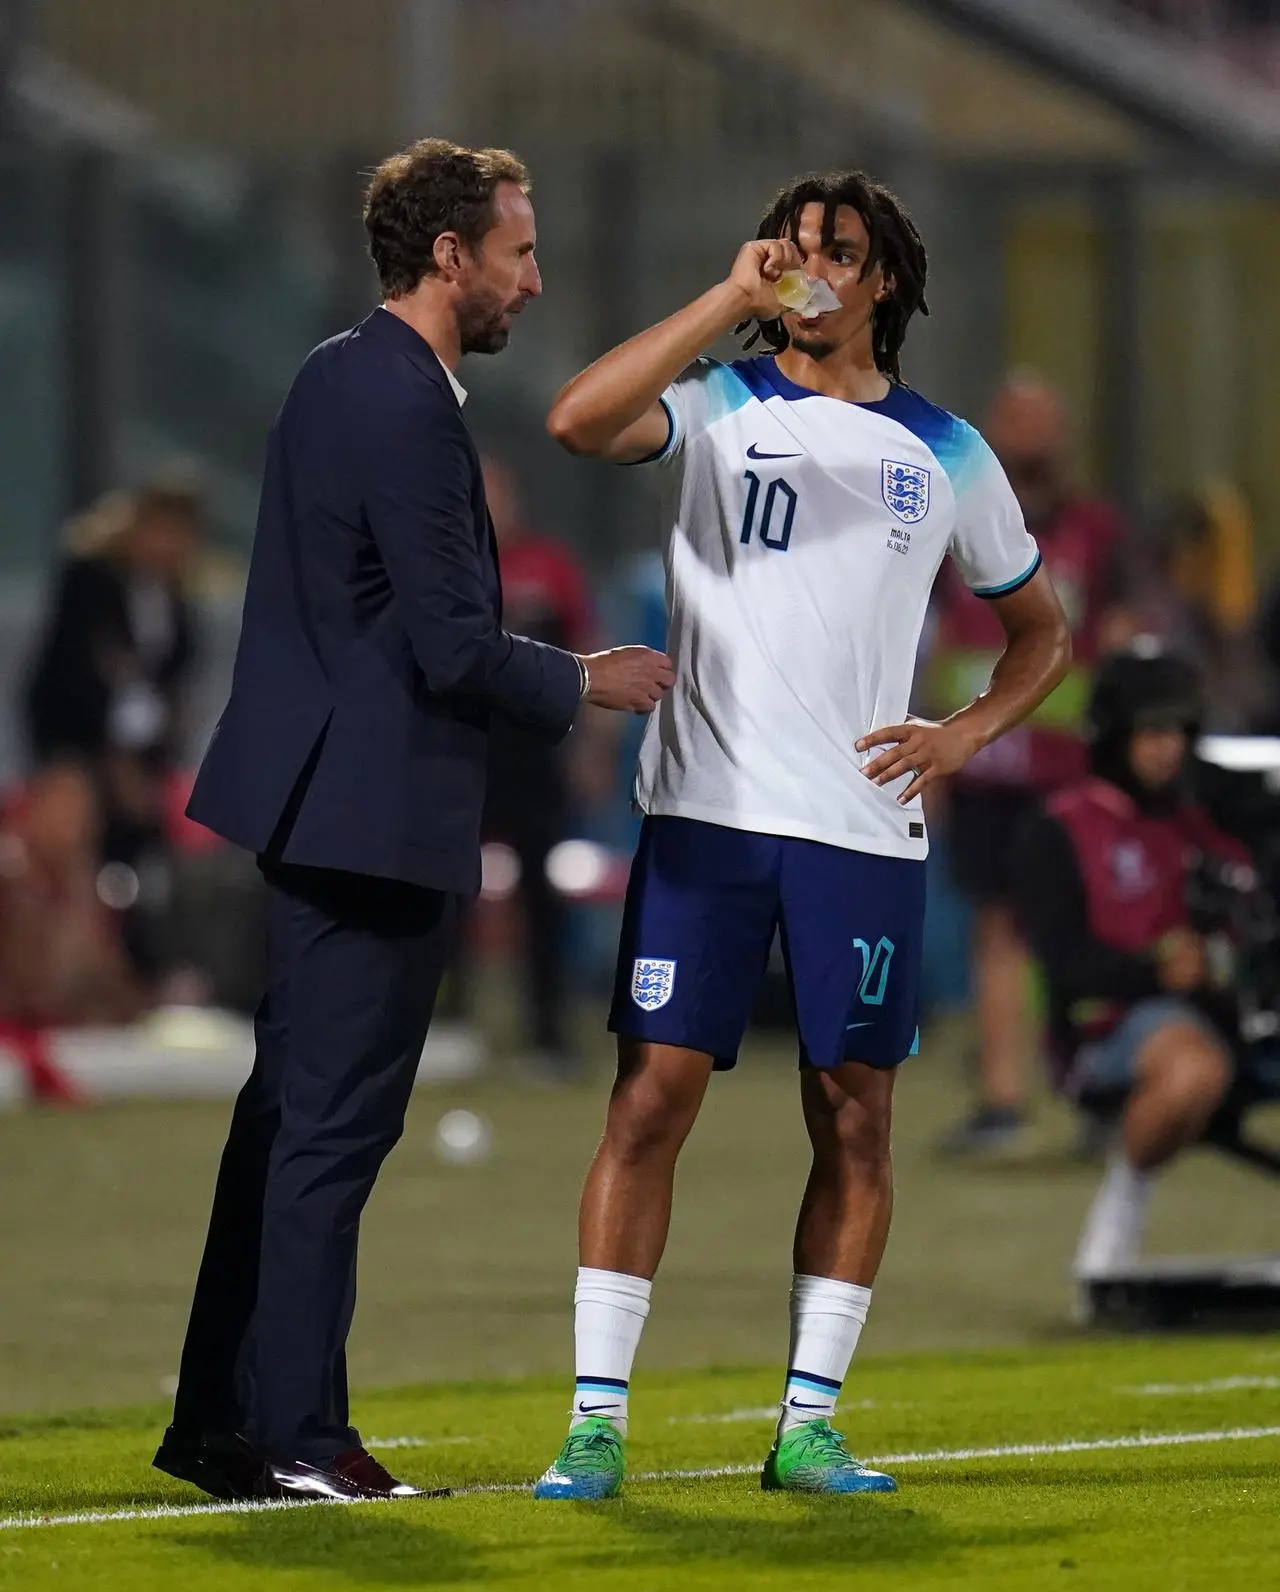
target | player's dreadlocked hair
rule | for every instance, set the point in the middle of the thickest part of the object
(895, 245)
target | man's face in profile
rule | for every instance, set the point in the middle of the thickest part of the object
(501, 274)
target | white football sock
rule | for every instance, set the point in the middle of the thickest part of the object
(609, 1312)
(1111, 1237)
(827, 1318)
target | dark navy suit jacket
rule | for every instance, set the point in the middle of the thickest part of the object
(372, 650)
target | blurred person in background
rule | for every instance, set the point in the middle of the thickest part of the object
(1195, 587)
(107, 680)
(61, 958)
(1085, 547)
(1267, 720)
(1102, 885)
(532, 783)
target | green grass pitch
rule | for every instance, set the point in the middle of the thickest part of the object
(1135, 1464)
(466, 1273)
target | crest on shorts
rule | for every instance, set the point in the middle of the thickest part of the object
(652, 983)
(905, 488)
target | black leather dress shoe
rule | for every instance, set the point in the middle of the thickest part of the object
(223, 1464)
(353, 1474)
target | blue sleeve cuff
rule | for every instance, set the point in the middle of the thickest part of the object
(1009, 586)
(667, 447)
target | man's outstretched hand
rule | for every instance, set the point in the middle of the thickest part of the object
(628, 679)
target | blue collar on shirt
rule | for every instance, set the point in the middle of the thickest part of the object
(765, 380)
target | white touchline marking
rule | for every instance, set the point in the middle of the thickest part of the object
(1009, 1451)
(938, 1456)
(1223, 1384)
(154, 1512)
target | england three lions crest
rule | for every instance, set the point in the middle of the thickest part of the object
(652, 983)
(906, 490)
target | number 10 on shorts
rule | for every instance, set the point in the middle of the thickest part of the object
(875, 970)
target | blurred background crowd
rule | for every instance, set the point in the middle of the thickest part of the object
(1095, 180)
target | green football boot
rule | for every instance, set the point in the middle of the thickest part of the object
(591, 1464)
(813, 1459)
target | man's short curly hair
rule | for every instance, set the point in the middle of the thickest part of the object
(434, 186)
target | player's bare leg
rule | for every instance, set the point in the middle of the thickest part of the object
(1001, 985)
(840, 1238)
(626, 1200)
(1001, 969)
(848, 1202)
(622, 1227)
(1182, 1074)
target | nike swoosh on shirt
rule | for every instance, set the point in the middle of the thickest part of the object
(848, 1026)
(754, 453)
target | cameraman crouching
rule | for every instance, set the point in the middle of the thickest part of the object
(1102, 895)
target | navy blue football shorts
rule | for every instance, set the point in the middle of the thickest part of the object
(703, 903)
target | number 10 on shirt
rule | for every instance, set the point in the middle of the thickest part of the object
(775, 535)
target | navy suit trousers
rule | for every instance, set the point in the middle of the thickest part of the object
(354, 966)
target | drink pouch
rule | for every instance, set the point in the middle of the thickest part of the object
(805, 294)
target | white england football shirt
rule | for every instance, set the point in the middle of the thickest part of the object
(806, 533)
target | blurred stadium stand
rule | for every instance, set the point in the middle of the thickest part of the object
(179, 222)
(1088, 213)
(1197, 71)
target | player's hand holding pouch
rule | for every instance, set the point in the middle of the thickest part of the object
(771, 272)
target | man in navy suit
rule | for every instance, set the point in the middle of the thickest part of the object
(351, 759)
